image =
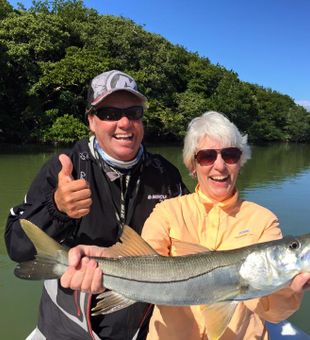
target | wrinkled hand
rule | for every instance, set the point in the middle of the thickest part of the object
(72, 197)
(300, 283)
(83, 273)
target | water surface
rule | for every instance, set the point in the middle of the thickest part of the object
(277, 177)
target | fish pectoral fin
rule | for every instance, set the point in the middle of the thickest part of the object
(110, 302)
(187, 248)
(217, 318)
(131, 244)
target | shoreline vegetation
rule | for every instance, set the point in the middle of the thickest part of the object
(49, 52)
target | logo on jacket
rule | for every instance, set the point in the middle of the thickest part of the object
(159, 197)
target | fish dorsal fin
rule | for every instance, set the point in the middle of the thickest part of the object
(187, 248)
(217, 318)
(110, 302)
(44, 244)
(130, 244)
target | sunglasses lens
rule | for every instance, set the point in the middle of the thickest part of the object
(114, 114)
(108, 113)
(134, 112)
(206, 157)
(231, 155)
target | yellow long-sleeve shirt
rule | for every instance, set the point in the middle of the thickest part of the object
(226, 225)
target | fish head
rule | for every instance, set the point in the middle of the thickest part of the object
(272, 265)
(290, 256)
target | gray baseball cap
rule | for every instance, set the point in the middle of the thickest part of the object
(109, 82)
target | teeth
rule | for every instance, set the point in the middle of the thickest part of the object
(219, 178)
(118, 136)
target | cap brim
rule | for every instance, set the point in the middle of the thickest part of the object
(102, 97)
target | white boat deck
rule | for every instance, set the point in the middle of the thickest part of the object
(286, 330)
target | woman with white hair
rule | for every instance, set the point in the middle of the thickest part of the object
(214, 216)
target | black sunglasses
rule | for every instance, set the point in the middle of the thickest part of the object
(208, 156)
(114, 113)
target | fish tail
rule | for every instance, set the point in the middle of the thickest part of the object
(51, 260)
(37, 270)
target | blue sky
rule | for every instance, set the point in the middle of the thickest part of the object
(267, 42)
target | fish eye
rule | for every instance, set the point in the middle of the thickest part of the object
(294, 245)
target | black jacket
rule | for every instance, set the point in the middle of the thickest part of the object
(158, 180)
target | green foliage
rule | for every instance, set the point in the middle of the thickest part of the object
(63, 83)
(66, 130)
(298, 125)
(190, 105)
(236, 99)
(262, 130)
(49, 53)
(29, 38)
(204, 77)
(5, 9)
(160, 121)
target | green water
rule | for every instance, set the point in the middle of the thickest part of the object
(277, 177)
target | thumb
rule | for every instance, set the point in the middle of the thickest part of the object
(66, 168)
(74, 256)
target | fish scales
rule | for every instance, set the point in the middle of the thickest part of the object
(191, 291)
(158, 268)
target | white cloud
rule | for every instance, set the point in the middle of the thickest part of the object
(304, 103)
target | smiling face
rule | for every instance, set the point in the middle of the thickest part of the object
(120, 139)
(218, 180)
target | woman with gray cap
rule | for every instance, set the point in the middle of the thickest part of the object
(85, 196)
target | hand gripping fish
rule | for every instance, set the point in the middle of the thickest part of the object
(217, 279)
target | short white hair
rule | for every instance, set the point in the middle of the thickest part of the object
(217, 127)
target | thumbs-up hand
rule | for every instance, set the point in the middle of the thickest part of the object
(72, 197)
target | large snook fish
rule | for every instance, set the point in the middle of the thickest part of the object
(219, 279)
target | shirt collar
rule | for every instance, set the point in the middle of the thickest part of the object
(209, 202)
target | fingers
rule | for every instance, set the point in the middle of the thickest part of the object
(97, 286)
(75, 255)
(305, 281)
(306, 287)
(92, 280)
(87, 277)
(82, 278)
(301, 282)
(73, 277)
(78, 252)
(75, 200)
(66, 278)
(72, 197)
(65, 173)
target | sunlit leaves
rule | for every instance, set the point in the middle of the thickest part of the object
(66, 130)
(49, 53)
